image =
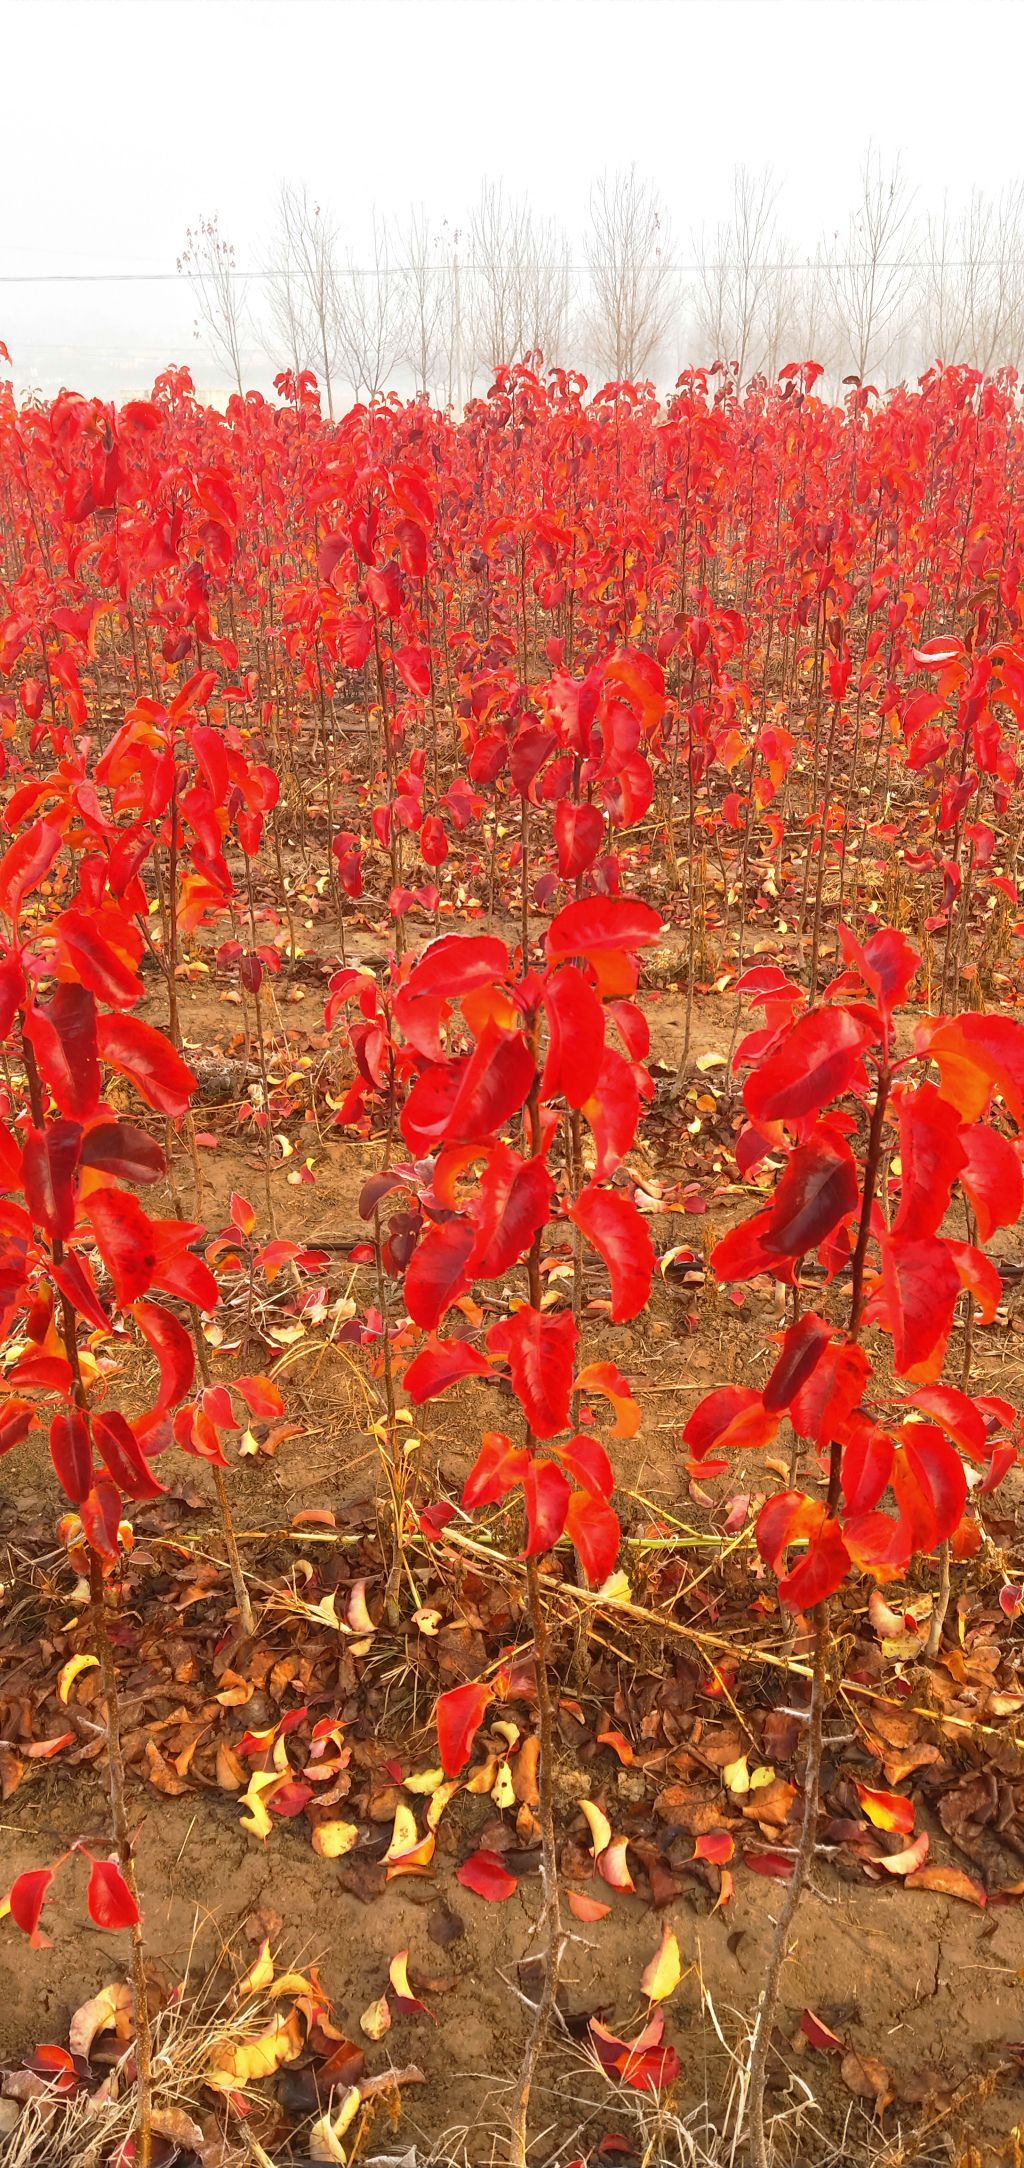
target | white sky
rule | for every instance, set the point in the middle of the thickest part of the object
(125, 120)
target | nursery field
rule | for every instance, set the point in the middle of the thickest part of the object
(512, 1389)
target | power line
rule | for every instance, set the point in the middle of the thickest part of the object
(573, 270)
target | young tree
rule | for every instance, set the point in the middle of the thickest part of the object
(974, 295)
(208, 261)
(743, 292)
(371, 317)
(307, 281)
(633, 284)
(286, 297)
(811, 333)
(426, 297)
(871, 272)
(521, 280)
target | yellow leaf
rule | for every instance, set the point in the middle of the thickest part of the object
(405, 1835)
(440, 1800)
(736, 1775)
(259, 1975)
(261, 1783)
(376, 2021)
(331, 1840)
(327, 2132)
(243, 2063)
(662, 1976)
(503, 1790)
(599, 1825)
(424, 1781)
(71, 1671)
(109, 2011)
(759, 1778)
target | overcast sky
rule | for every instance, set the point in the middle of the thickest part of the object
(125, 120)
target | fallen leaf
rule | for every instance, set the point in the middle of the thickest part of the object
(587, 1909)
(948, 1882)
(486, 1875)
(71, 1671)
(662, 1976)
(331, 1840)
(376, 2020)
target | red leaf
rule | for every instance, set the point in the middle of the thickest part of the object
(492, 1086)
(95, 961)
(588, 1463)
(71, 1453)
(594, 1530)
(929, 1483)
(121, 1149)
(101, 1517)
(460, 1714)
(993, 1179)
(579, 830)
(602, 922)
(172, 1345)
(792, 1517)
(920, 1285)
(824, 1401)
(887, 963)
(26, 865)
(825, 1564)
(63, 1036)
(120, 1449)
(141, 1053)
(262, 1397)
(931, 1155)
(802, 1347)
(732, 1416)
(109, 1898)
(487, 1876)
(49, 1161)
(866, 1465)
(440, 1364)
(976, 1055)
(541, 1352)
(125, 1238)
(498, 1467)
(575, 1037)
(817, 1190)
(437, 1272)
(515, 1200)
(817, 1062)
(26, 1900)
(547, 1493)
(615, 1227)
(612, 1110)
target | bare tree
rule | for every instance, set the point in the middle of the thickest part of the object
(974, 295)
(315, 243)
(743, 291)
(286, 295)
(371, 317)
(426, 296)
(812, 334)
(871, 274)
(208, 261)
(520, 281)
(633, 284)
(451, 335)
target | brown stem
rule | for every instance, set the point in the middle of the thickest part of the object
(126, 1861)
(549, 1855)
(765, 2019)
(227, 1518)
(768, 2003)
